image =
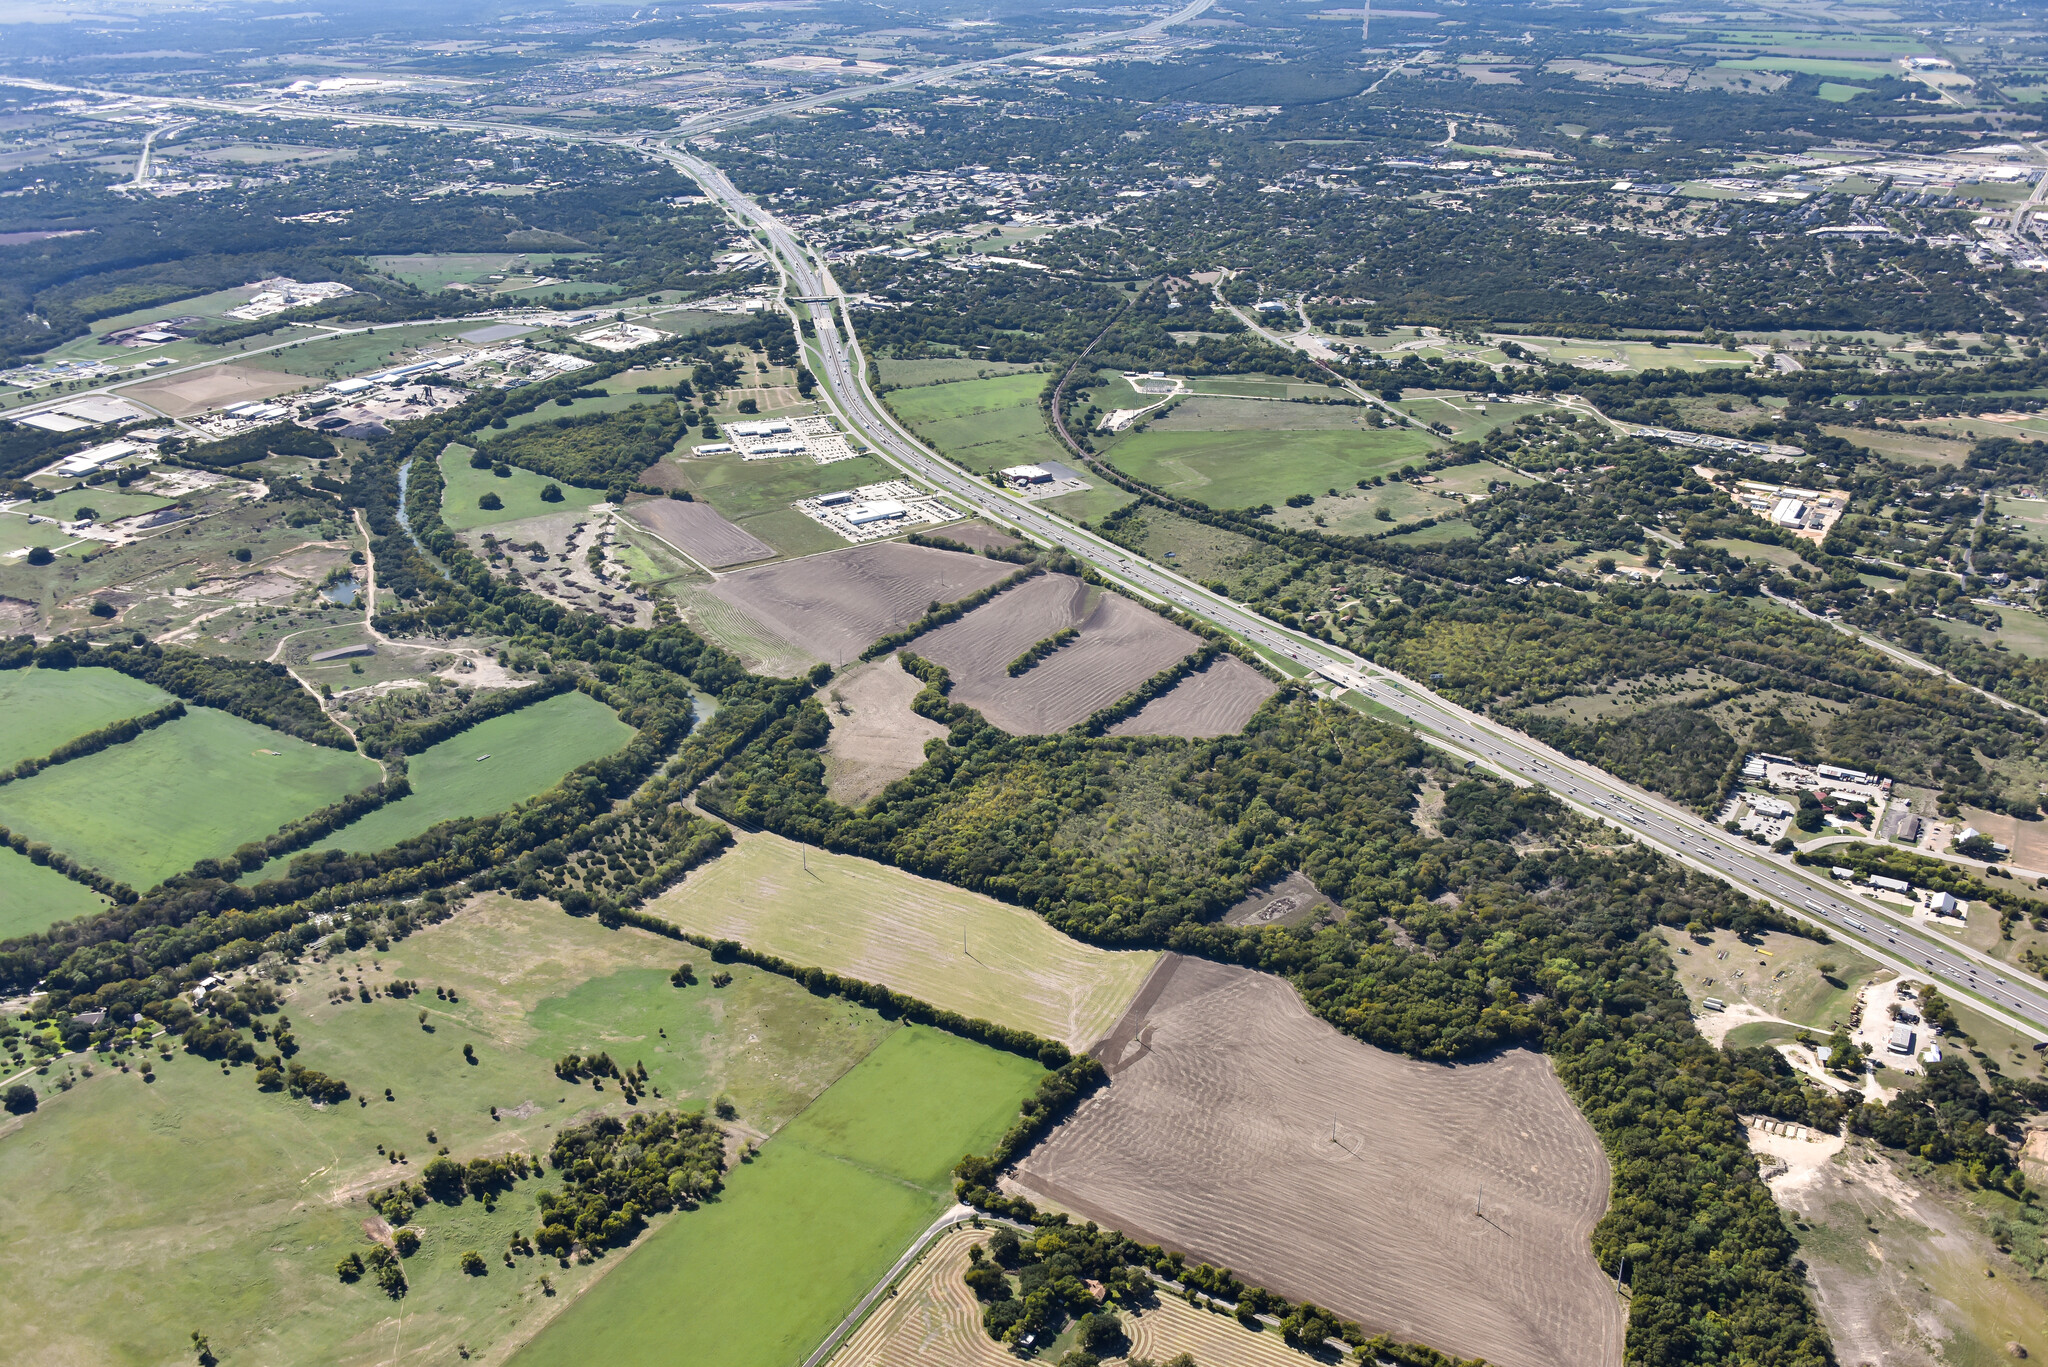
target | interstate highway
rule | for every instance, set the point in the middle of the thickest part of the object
(1885, 935)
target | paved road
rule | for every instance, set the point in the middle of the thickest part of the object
(1886, 935)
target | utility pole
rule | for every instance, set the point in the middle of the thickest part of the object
(1480, 1208)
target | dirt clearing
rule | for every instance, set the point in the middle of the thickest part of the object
(1217, 701)
(182, 396)
(697, 530)
(1120, 646)
(876, 738)
(839, 602)
(1214, 1137)
(980, 535)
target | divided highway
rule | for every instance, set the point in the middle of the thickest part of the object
(1886, 935)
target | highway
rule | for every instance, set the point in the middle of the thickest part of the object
(1885, 933)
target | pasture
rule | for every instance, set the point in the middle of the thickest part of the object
(1244, 1131)
(46, 707)
(1247, 468)
(911, 374)
(198, 1201)
(984, 424)
(1119, 647)
(519, 491)
(1217, 701)
(833, 606)
(758, 1278)
(934, 1318)
(953, 948)
(608, 402)
(529, 751)
(33, 896)
(191, 789)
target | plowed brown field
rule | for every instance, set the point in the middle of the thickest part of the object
(876, 738)
(698, 531)
(1218, 701)
(1215, 1137)
(1121, 645)
(839, 602)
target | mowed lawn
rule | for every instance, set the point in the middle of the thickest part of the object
(200, 1202)
(529, 752)
(43, 708)
(32, 896)
(192, 789)
(989, 424)
(758, 1278)
(930, 940)
(1244, 469)
(519, 491)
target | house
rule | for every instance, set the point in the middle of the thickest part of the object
(1945, 904)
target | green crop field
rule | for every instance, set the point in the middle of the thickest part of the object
(941, 944)
(529, 752)
(519, 492)
(759, 1278)
(191, 789)
(32, 897)
(199, 1202)
(1246, 469)
(46, 707)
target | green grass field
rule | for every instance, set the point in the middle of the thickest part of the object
(191, 789)
(987, 424)
(941, 944)
(612, 402)
(913, 373)
(1090, 505)
(757, 494)
(760, 1277)
(520, 493)
(430, 271)
(32, 897)
(1836, 93)
(1246, 469)
(1811, 66)
(46, 707)
(199, 1202)
(529, 751)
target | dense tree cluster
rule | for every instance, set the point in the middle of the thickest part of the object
(617, 1172)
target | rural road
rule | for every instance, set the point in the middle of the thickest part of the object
(1890, 938)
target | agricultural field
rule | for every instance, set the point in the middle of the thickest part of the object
(486, 769)
(46, 707)
(698, 531)
(33, 897)
(761, 1276)
(934, 1318)
(876, 738)
(756, 494)
(183, 395)
(911, 374)
(191, 789)
(519, 491)
(1217, 701)
(432, 271)
(1250, 467)
(833, 606)
(953, 948)
(982, 424)
(1242, 1130)
(1119, 647)
(197, 1201)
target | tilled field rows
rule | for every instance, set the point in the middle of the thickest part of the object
(1449, 1206)
(838, 603)
(1218, 701)
(1120, 646)
(698, 531)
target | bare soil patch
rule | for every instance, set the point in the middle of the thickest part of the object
(184, 395)
(1216, 701)
(698, 531)
(839, 602)
(1120, 646)
(1292, 901)
(876, 738)
(980, 535)
(1214, 1137)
